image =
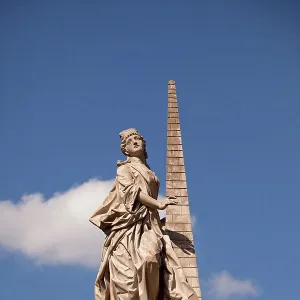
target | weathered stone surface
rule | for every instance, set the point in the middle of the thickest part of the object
(181, 235)
(179, 227)
(183, 201)
(175, 161)
(174, 147)
(171, 91)
(185, 209)
(174, 153)
(173, 110)
(189, 235)
(184, 262)
(173, 115)
(190, 262)
(175, 169)
(178, 220)
(198, 292)
(194, 282)
(174, 126)
(173, 121)
(176, 184)
(169, 218)
(174, 133)
(176, 176)
(174, 140)
(172, 104)
(178, 193)
(181, 219)
(173, 210)
(184, 253)
(191, 272)
(172, 96)
(183, 245)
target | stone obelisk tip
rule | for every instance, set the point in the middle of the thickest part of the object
(178, 223)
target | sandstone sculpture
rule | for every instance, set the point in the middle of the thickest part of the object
(138, 260)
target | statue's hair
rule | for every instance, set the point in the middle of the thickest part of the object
(123, 144)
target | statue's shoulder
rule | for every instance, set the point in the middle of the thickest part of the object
(121, 163)
(124, 171)
(122, 166)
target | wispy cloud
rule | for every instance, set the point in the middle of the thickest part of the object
(222, 286)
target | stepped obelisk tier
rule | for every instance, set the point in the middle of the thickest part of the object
(178, 218)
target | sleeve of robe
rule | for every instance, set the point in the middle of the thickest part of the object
(128, 189)
(121, 208)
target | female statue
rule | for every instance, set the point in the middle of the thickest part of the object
(138, 261)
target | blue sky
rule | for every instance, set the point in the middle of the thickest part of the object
(76, 73)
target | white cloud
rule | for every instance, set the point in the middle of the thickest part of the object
(56, 230)
(223, 285)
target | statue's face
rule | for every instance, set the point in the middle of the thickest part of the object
(134, 146)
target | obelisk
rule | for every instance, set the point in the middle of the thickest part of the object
(178, 218)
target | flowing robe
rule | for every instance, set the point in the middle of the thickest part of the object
(138, 261)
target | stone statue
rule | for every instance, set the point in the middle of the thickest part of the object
(138, 261)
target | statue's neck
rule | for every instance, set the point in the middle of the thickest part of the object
(138, 159)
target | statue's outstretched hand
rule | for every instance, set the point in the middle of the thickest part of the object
(169, 201)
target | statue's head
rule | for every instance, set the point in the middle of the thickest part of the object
(132, 143)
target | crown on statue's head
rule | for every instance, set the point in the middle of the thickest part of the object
(127, 133)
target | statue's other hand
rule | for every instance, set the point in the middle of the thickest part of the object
(172, 200)
(169, 201)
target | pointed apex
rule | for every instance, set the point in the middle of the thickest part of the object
(171, 82)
